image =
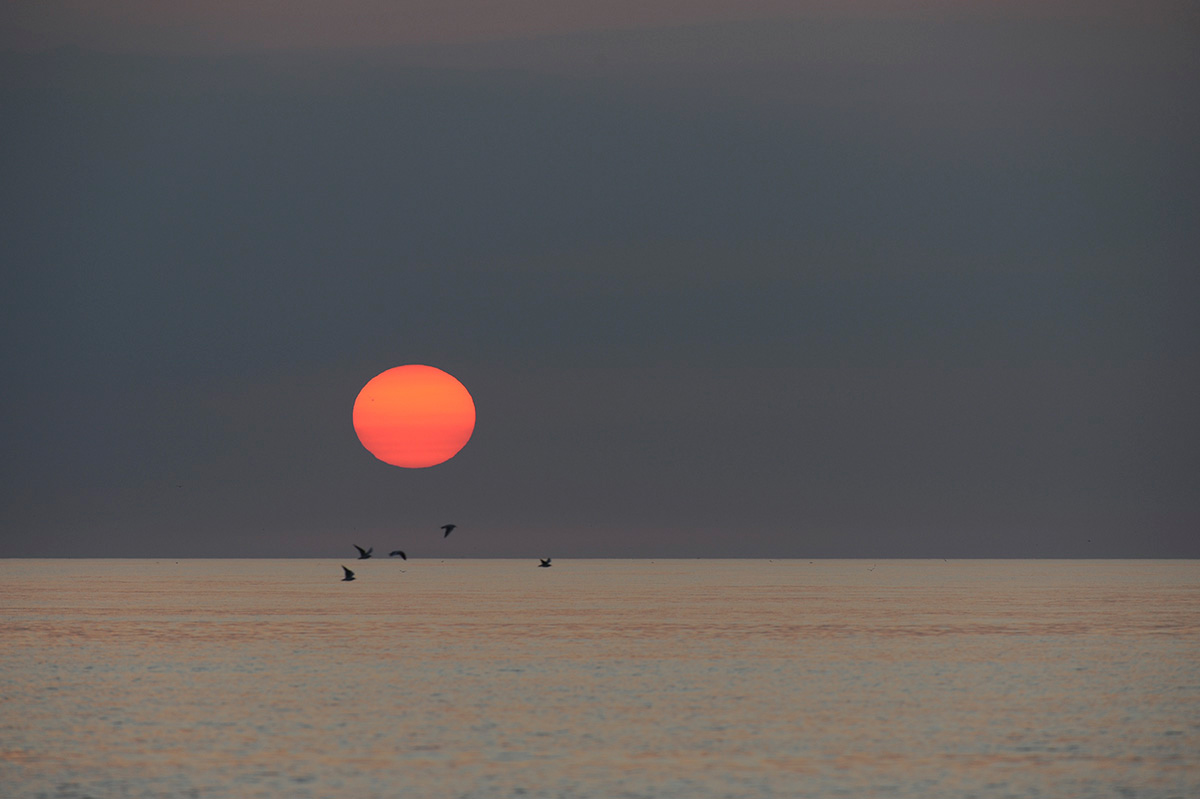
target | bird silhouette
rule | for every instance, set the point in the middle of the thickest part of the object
(545, 563)
(363, 554)
(349, 575)
(448, 528)
(399, 552)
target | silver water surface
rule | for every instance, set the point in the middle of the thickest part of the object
(244, 678)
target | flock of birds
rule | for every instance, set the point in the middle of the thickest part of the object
(447, 529)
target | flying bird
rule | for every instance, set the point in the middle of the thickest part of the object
(349, 575)
(399, 552)
(363, 554)
(448, 528)
(545, 563)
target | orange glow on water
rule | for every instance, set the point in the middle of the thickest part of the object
(414, 416)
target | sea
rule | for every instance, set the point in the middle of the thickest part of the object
(604, 679)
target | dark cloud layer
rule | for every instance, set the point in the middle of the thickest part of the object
(842, 287)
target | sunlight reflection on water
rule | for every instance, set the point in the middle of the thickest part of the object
(601, 678)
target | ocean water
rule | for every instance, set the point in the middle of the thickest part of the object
(599, 678)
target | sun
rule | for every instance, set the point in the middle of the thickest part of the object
(414, 416)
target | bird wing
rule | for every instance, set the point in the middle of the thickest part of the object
(348, 572)
(361, 551)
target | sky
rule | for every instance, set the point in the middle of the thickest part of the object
(754, 279)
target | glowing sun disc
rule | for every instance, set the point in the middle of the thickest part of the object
(414, 416)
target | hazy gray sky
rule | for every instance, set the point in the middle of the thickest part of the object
(723, 279)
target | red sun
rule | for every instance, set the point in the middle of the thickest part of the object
(414, 416)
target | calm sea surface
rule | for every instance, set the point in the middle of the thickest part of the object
(599, 678)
